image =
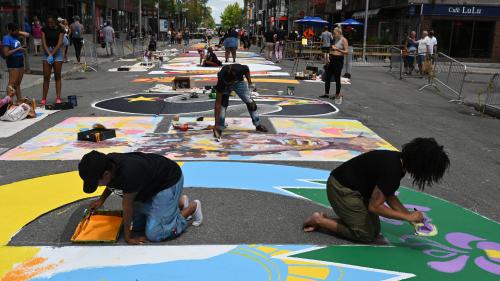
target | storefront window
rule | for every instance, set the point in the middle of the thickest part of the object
(464, 39)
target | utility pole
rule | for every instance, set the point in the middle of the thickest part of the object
(158, 21)
(140, 18)
(366, 29)
(94, 25)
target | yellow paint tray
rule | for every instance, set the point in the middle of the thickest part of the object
(102, 226)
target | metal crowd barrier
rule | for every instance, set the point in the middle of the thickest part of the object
(373, 54)
(397, 61)
(119, 48)
(90, 61)
(493, 93)
(447, 72)
(138, 46)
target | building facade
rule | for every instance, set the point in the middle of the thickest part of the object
(465, 29)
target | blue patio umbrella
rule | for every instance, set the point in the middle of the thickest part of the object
(313, 21)
(352, 22)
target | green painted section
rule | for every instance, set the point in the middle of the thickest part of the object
(412, 254)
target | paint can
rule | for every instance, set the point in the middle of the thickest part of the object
(279, 93)
(290, 90)
(73, 100)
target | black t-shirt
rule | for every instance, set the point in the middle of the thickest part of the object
(144, 173)
(269, 36)
(239, 71)
(211, 56)
(52, 35)
(281, 34)
(380, 168)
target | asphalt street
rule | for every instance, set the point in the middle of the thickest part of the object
(393, 108)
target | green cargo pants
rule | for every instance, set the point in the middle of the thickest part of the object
(356, 222)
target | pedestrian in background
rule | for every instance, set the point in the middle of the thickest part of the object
(67, 33)
(432, 45)
(77, 36)
(339, 49)
(422, 50)
(349, 36)
(52, 42)
(410, 51)
(14, 52)
(27, 28)
(36, 31)
(109, 38)
(279, 45)
(269, 39)
(186, 36)
(326, 43)
(231, 43)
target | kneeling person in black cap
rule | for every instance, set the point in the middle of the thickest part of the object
(150, 186)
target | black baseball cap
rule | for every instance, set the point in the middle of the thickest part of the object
(91, 168)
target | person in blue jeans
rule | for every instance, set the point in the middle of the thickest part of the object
(231, 78)
(151, 189)
(14, 52)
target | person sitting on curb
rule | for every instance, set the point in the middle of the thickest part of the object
(364, 188)
(230, 78)
(151, 187)
(211, 59)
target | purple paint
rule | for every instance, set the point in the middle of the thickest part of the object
(451, 266)
(462, 240)
(485, 264)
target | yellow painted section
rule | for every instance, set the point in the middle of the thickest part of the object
(493, 254)
(295, 278)
(296, 262)
(142, 98)
(23, 201)
(266, 249)
(10, 256)
(281, 252)
(310, 271)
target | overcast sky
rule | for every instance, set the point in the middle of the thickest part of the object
(218, 7)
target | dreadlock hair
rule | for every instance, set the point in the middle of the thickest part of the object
(425, 160)
(12, 26)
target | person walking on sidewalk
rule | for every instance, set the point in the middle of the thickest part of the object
(109, 38)
(151, 189)
(14, 53)
(326, 44)
(77, 36)
(52, 41)
(334, 67)
(36, 30)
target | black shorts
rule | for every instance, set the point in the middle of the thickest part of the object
(15, 62)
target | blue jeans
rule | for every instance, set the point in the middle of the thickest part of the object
(160, 216)
(241, 89)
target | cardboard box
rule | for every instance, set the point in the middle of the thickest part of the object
(181, 82)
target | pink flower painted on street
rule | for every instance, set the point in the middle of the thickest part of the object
(456, 257)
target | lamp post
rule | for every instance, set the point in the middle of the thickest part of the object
(158, 7)
(366, 29)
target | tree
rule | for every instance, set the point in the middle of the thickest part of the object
(232, 16)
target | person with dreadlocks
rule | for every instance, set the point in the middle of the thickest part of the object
(230, 78)
(364, 188)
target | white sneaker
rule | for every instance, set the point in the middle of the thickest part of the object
(338, 100)
(198, 215)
